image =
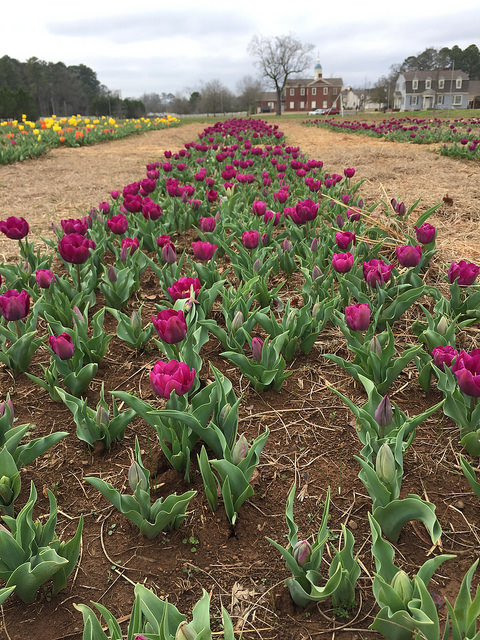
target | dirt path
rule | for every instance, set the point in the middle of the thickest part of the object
(68, 182)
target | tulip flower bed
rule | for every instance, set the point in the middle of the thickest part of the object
(460, 137)
(27, 139)
(251, 395)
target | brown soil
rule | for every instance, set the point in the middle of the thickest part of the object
(311, 441)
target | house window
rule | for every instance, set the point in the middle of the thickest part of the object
(292, 105)
(314, 104)
(325, 104)
(335, 91)
(414, 100)
(457, 99)
(428, 83)
(292, 92)
(441, 83)
(414, 84)
(302, 91)
(458, 83)
(325, 91)
(314, 91)
(302, 104)
(439, 99)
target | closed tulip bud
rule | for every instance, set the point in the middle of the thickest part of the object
(137, 477)
(286, 245)
(376, 347)
(442, 326)
(402, 586)
(316, 272)
(6, 493)
(4, 406)
(78, 314)
(302, 552)
(291, 317)
(314, 245)
(240, 449)
(222, 416)
(185, 632)
(257, 265)
(384, 412)
(257, 345)
(101, 417)
(385, 464)
(316, 309)
(237, 321)
(340, 221)
(135, 321)
(112, 274)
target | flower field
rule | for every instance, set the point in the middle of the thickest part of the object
(459, 137)
(27, 139)
(253, 388)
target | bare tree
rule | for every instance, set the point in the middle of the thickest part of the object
(278, 58)
(215, 98)
(249, 91)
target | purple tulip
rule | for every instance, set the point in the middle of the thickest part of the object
(250, 239)
(166, 377)
(384, 412)
(8, 404)
(349, 172)
(344, 239)
(409, 256)
(129, 245)
(208, 224)
(342, 262)
(376, 272)
(304, 211)
(257, 346)
(182, 287)
(163, 240)
(353, 215)
(171, 325)
(444, 355)
(357, 316)
(169, 254)
(259, 207)
(203, 250)
(75, 225)
(75, 248)
(118, 224)
(62, 346)
(467, 369)
(14, 305)
(426, 233)
(465, 273)
(14, 228)
(44, 278)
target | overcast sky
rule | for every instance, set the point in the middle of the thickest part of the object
(144, 47)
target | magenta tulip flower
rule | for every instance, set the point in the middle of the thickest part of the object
(357, 316)
(376, 272)
(118, 224)
(44, 278)
(259, 207)
(208, 224)
(444, 355)
(14, 305)
(257, 346)
(169, 253)
(349, 172)
(75, 248)
(129, 246)
(163, 240)
(344, 239)
(465, 273)
(342, 262)
(250, 239)
(171, 325)
(426, 233)
(409, 256)
(467, 369)
(203, 250)
(182, 287)
(14, 228)
(62, 346)
(75, 225)
(304, 211)
(166, 377)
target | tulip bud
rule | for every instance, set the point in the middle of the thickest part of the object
(102, 417)
(185, 632)
(6, 493)
(402, 586)
(169, 255)
(442, 326)
(314, 245)
(384, 412)
(222, 416)
(237, 321)
(286, 245)
(3, 409)
(340, 221)
(257, 265)
(316, 309)
(385, 464)
(78, 313)
(240, 449)
(257, 345)
(135, 321)
(316, 272)
(112, 274)
(265, 239)
(376, 347)
(302, 552)
(26, 268)
(137, 477)
(291, 317)
(401, 209)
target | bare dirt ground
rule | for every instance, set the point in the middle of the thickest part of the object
(312, 436)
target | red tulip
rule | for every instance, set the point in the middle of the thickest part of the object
(166, 377)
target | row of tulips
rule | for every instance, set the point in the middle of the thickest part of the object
(359, 272)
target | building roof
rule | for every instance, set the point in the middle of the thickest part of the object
(474, 88)
(308, 82)
(442, 73)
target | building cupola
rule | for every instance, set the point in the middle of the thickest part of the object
(317, 72)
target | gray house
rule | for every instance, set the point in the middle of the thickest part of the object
(438, 89)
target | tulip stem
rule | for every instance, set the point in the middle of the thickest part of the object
(78, 277)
